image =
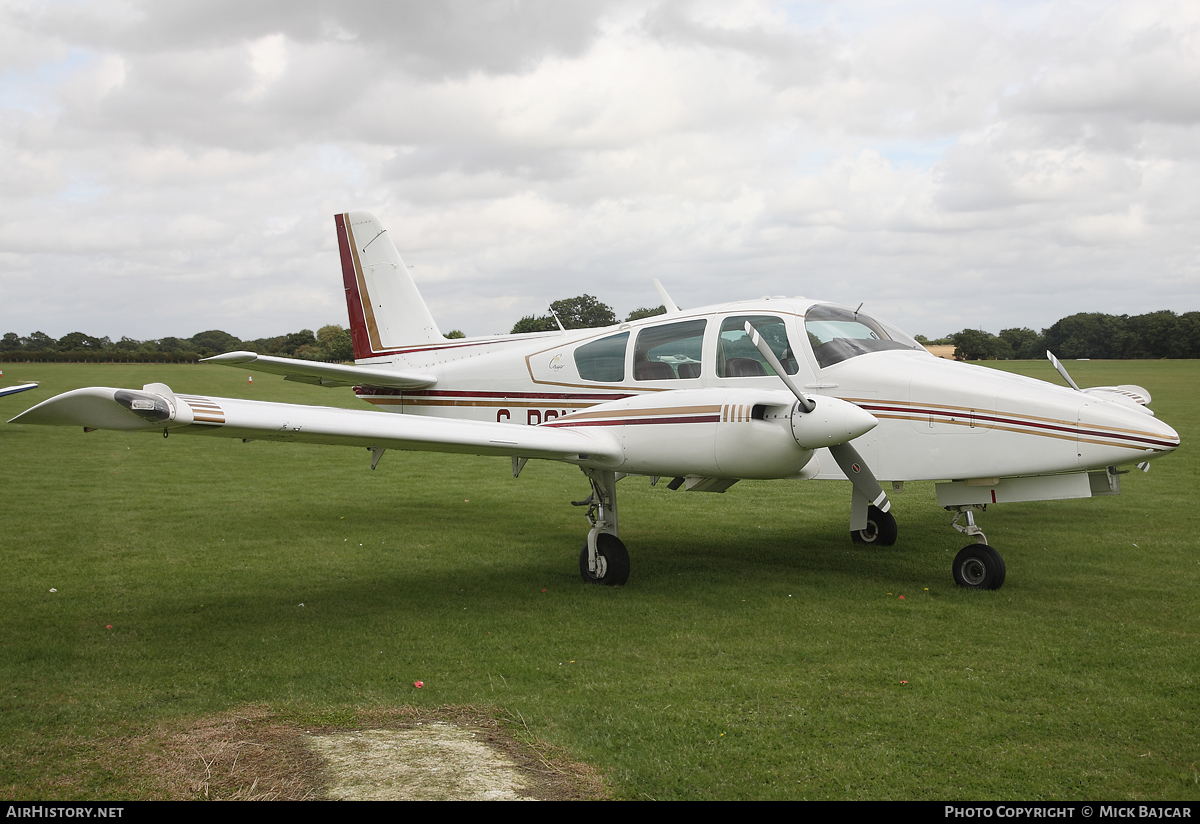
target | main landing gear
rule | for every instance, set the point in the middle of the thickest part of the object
(977, 565)
(881, 529)
(603, 559)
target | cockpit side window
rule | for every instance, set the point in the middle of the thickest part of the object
(838, 334)
(603, 360)
(738, 357)
(669, 352)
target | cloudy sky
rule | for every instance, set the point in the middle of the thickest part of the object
(172, 167)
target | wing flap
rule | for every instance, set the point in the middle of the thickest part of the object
(324, 374)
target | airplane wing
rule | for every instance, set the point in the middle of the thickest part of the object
(156, 408)
(12, 390)
(324, 374)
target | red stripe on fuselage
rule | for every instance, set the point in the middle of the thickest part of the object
(640, 421)
(447, 393)
(1077, 430)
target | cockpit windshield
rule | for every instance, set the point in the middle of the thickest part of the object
(838, 334)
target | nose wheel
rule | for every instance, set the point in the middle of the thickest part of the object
(977, 565)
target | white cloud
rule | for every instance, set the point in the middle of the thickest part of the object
(172, 167)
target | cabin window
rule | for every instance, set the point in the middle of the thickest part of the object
(738, 357)
(667, 353)
(837, 334)
(603, 360)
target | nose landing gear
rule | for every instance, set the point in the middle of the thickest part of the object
(977, 565)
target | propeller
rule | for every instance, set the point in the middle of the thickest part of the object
(1062, 370)
(806, 403)
(860, 475)
(847, 456)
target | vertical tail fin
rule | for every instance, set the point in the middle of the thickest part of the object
(386, 310)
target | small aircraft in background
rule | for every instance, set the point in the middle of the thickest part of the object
(777, 388)
(21, 387)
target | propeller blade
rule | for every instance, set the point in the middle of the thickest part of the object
(806, 403)
(860, 475)
(1062, 370)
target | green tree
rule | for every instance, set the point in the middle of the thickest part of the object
(455, 334)
(583, 312)
(214, 342)
(170, 346)
(79, 342)
(342, 347)
(39, 342)
(1153, 335)
(1189, 335)
(335, 343)
(1088, 335)
(643, 312)
(1026, 344)
(529, 323)
(975, 344)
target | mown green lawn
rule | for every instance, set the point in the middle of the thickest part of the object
(755, 653)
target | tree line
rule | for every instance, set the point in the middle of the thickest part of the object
(1087, 335)
(329, 343)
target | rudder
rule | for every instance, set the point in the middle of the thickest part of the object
(386, 310)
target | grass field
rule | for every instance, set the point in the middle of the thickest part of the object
(755, 653)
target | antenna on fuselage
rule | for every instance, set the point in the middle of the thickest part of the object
(669, 304)
(555, 316)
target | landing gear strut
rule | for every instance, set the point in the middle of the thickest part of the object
(977, 565)
(603, 559)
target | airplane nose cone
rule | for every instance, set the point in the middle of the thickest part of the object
(1169, 436)
(1112, 433)
(834, 421)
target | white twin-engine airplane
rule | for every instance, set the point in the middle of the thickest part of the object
(768, 389)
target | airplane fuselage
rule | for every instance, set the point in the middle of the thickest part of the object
(938, 419)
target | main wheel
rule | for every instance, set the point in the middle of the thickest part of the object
(612, 561)
(881, 529)
(978, 566)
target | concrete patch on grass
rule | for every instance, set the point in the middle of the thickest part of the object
(427, 762)
(380, 753)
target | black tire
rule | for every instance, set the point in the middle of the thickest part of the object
(978, 566)
(881, 529)
(611, 556)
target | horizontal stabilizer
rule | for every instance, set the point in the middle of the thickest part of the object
(324, 374)
(155, 408)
